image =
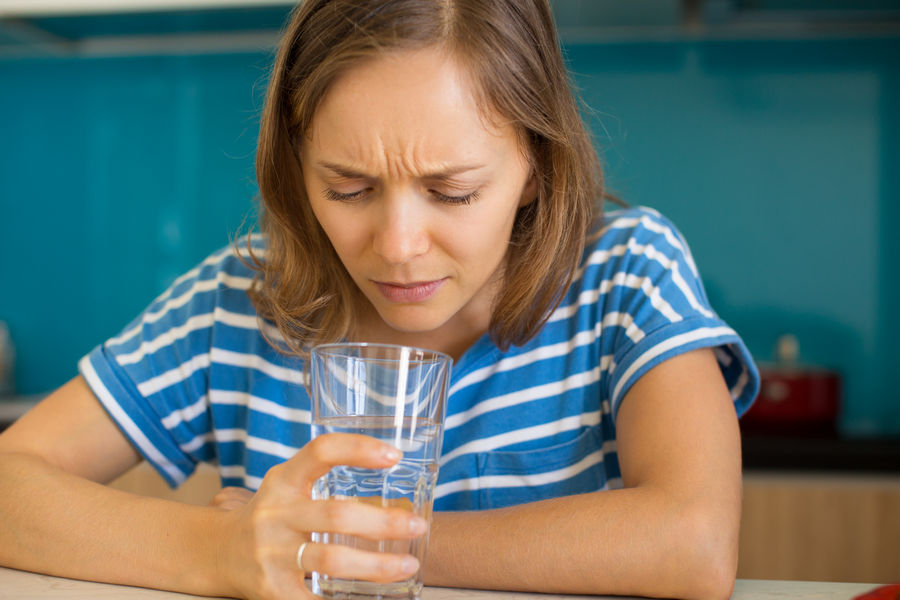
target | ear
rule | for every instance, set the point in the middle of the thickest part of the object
(530, 191)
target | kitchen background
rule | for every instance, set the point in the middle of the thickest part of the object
(767, 130)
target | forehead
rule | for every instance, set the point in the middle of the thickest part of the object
(411, 103)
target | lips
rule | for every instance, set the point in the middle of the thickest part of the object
(416, 291)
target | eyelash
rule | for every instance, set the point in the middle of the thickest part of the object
(464, 199)
(339, 197)
(353, 196)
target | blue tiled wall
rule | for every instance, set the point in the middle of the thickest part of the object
(777, 159)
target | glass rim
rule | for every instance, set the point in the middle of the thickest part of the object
(330, 349)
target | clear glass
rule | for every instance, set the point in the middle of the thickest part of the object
(397, 394)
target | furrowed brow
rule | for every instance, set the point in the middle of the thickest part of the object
(345, 172)
(449, 173)
(352, 173)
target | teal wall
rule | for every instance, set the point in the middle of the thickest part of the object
(777, 159)
(779, 162)
(116, 175)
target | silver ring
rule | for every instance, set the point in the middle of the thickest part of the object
(300, 555)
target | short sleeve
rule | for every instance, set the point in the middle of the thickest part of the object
(655, 306)
(153, 378)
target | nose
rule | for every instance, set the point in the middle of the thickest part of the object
(401, 233)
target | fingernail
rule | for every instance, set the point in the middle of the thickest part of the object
(392, 453)
(417, 525)
(409, 565)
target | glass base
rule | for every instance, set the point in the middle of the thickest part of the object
(350, 589)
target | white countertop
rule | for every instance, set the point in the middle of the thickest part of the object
(22, 585)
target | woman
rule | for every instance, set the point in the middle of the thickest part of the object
(426, 180)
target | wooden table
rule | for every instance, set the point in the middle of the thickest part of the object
(21, 585)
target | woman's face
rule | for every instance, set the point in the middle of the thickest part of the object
(416, 190)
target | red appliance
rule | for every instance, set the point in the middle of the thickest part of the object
(884, 592)
(794, 398)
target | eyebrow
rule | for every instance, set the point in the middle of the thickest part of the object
(351, 173)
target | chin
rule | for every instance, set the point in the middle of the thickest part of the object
(408, 321)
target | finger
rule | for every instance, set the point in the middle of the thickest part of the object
(337, 560)
(282, 579)
(333, 449)
(353, 517)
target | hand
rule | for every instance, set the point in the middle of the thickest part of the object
(258, 556)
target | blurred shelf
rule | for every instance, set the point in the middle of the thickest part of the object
(92, 28)
(13, 407)
(138, 27)
(781, 452)
(32, 8)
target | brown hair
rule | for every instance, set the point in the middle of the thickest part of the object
(511, 49)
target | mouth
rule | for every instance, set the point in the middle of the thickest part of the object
(415, 291)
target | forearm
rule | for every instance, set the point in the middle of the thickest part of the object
(625, 542)
(57, 523)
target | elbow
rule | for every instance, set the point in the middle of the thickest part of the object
(708, 556)
(714, 582)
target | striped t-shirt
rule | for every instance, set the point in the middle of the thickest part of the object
(192, 379)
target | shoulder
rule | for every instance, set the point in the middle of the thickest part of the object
(638, 224)
(637, 270)
(634, 240)
(218, 282)
(231, 266)
(237, 259)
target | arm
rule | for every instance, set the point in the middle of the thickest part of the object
(671, 532)
(59, 519)
(54, 460)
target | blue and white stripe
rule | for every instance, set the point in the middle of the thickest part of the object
(193, 378)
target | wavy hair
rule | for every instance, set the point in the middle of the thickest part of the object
(510, 48)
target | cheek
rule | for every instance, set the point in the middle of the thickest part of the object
(338, 228)
(481, 239)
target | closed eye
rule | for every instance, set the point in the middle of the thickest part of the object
(464, 199)
(336, 196)
(344, 197)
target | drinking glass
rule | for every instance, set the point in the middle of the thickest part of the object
(398, 395)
